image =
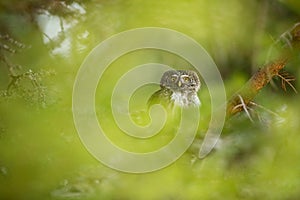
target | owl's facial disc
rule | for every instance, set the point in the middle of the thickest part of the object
(187, 83)
(183, 81)
(172, 81)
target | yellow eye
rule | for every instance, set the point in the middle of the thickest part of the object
(173, 78)
(186, 79)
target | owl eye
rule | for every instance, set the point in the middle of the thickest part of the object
(186, 79)
(173, 78)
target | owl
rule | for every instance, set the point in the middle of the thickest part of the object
(177, 87)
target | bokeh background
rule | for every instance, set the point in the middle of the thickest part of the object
(43, 44)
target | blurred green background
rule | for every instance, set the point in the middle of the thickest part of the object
(44, 43)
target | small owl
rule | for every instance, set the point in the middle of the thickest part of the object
(178, 87)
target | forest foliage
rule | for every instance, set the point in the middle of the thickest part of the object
(253, 43)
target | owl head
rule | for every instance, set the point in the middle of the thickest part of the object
(183, 81)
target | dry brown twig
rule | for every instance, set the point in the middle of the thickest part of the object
(286, 78)
(244, 97)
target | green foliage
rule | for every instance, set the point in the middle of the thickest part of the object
(41, 155)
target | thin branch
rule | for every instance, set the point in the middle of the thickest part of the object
(266, 109)
(265, 74)
(286, 78)
(245, 107)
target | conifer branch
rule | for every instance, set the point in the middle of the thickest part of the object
(265, 74)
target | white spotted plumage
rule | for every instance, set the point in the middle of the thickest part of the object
(178, 87)
(185, 99)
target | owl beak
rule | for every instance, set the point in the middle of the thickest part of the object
(179, 83)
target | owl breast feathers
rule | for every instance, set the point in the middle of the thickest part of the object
(178, 87)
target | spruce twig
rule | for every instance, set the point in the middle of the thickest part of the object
(244, 97)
